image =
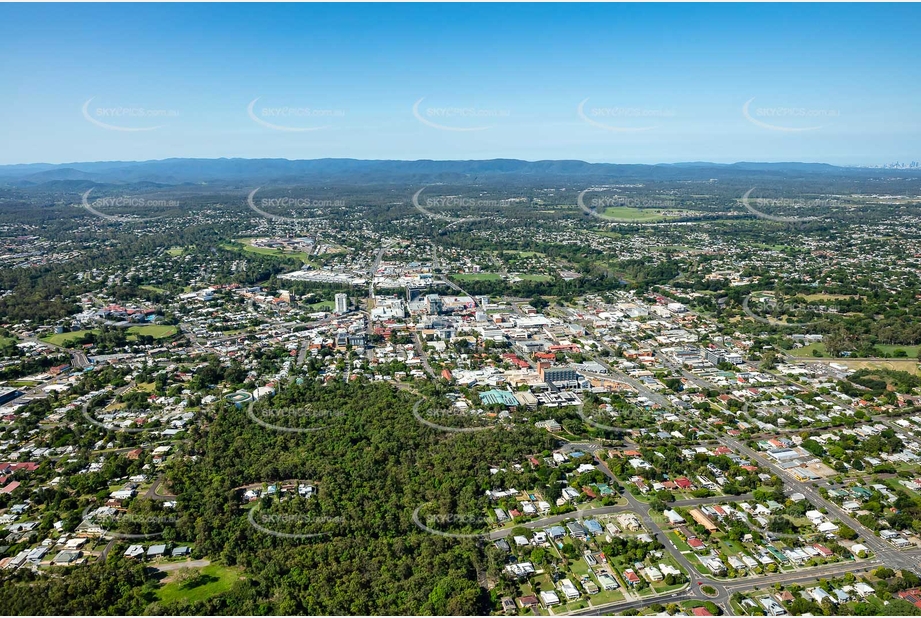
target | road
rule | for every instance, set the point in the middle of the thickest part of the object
(77, 358)
(105, 552)
(695, 380)
(459, 290)
(883, 552)
(153, 492)
(729, 588)
(615, 374)
(374, 266)
(724, 589)
(302, 352)
(423, 356)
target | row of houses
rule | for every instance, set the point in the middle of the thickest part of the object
(159, 550)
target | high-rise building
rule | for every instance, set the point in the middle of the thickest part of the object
(342, 303)
(434, 304)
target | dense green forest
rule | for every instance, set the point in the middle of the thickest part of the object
(374, 465)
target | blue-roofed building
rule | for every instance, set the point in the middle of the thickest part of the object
(556, 532)
(496, 396)
(605, 489)
(593, 527)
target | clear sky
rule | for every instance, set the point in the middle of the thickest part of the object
(836, 83)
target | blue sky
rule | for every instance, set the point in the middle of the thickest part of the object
(656, 83)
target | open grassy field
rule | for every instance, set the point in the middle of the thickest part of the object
(61, 339)
(215, 579)
(911, 351)
(524, 254)
(540, 278)
(824, 297)
(909, 365)
(633, 214)
(175, 251)
(477, 276)
(153, 288)
(247, 245)
(154, 330)
(759, 245)
(807, 352)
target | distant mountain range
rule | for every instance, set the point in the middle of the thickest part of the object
(356, 171)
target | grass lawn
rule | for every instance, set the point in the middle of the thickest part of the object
(247, 246)
(153, 288)
(524, 254)
(61, 339)
(807, 352)
(539, 278)
(323, 305)
(626, 213)
(244, 244)
(815, 297)
(153, 330)
(175, 251)
(579, 568)
(896, 364)
(662, 587)
(606, 596)
(731, 547)
(477, 276)
(911, 351)
(215, 579)
(675, 538)
(770, 247)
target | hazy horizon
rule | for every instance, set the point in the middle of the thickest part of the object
(460, 160)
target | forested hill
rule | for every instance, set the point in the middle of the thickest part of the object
(179, 171)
